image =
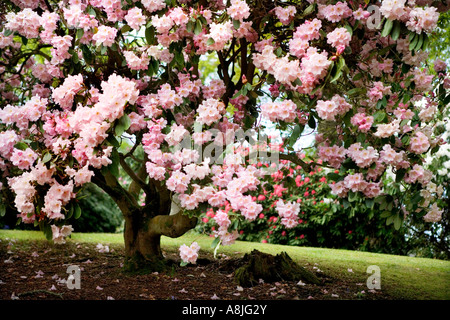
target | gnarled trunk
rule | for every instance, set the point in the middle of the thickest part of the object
(143, 239)
(144, 225)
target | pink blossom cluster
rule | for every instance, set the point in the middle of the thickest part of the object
(334, 13)
(356, 183)
(362, 121)
(135, 18)
(334, 155)
(65, 93)
(422, 19)
(418, 174)
(339, 38)
(105, 36)
(288, 212)
(385, 130)
(60, 233)
(189, 254)
(215, 89)
(419, 143)
(176, 134)
(26, 22)
(80, 176)
(391, 157)
(135, 62)
(329, 109)
(153, 5)
(238, 10)
(221, 33)
(60, 50)
(76, 18)
(315, 66)
(285, 110)
(284, 70)
(91, 124)
(309, 30)
(24, 191)
(55, 199)
(168, 98)
(22, 115)
(378, 91)
(210, 111)
(8, 139)
(285, 15)
(23, 159)
(393, 9)
(363, 157)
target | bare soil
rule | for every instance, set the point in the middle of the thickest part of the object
(38, 271)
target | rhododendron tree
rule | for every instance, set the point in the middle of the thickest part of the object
(81, 76)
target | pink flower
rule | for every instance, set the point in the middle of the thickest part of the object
(135, 18)
(23, 159)
(285, 14)
(339, 37)
(239, 10)
(59, 234)
(419, 143)
(153, 5)
(274, 111)
(328, 110)
(422, 19)
(210, 111)
(222, 219)
(105, 36)
(288, 213)
(362, 121)
(189, 254)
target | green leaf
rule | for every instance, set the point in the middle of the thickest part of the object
(396, 30)
(352, 196)
(87, 54)
(198, 27)
(295, 134)
(413, 43)
(8, 32)
(80, 33)
(113, 141)
(387, 27)
(210, 41)
(122, 125)
(125, 28)
(312, 122)
(419, 43)
(339, 66)
(183, 263)
(150, 35)
(47, 157)
(215, 242)
(77, 211)
(21, 146)
(379, 116)
(399, 175)
(2, 209)
(236, 24)
(369, 203)
(390, 220)
(397, 221)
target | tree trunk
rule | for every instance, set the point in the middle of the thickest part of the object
(144, 225)
(142, 238)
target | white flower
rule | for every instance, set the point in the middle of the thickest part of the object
(215, 297)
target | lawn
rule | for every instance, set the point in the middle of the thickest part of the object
(402, 277)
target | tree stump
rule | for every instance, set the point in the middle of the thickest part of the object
(270, 268)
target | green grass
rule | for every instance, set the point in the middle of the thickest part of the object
(401, 277)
